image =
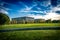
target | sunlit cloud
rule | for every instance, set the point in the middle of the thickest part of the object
(35, 16)
(3, 11)
(34, 11)
(49, 15)
(52, 16)
(56, 9)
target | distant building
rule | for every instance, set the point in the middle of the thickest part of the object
(39, 20)
(23, 20)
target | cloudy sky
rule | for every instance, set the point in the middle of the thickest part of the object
(46, 9)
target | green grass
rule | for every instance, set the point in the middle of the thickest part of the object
(29, 25)
(31, 35)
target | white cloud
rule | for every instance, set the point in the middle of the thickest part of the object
(34, 11)
(52, 16)
(3, 11)
(56, 9)
(35, 16)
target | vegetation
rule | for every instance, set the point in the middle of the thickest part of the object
(4, 19)
(30, 25)
(56, 21)
(31, 35)
(48, 21)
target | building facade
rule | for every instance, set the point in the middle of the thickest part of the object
(23, 20)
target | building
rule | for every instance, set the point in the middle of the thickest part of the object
(22, 20)
(39, 20)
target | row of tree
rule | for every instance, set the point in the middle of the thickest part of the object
(53, 21)
(48, 21)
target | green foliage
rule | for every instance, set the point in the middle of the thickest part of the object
(56, 21)
(4, 19)
(48, 21)
(31, 35)
(30, 25)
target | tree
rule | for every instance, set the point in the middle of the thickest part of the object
(48, 21)
(4, 19)
(56, 21)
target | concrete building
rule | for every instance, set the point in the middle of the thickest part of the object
(22, 20)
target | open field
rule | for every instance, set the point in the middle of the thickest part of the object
(29, 25)
(31, 35)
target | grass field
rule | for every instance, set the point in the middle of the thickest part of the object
(30, 34)
(29, 25)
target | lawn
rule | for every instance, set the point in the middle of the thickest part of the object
(29, 25)
(31, 35)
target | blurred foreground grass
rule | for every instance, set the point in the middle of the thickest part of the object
(31, 35)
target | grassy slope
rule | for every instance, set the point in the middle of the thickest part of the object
(29, 25)
(31, 35)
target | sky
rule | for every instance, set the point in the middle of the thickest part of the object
(44, 9)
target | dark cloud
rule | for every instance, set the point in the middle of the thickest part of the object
(54, 2)
(58, 2)
(10, 1)
(58, 12)
(14, 1)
